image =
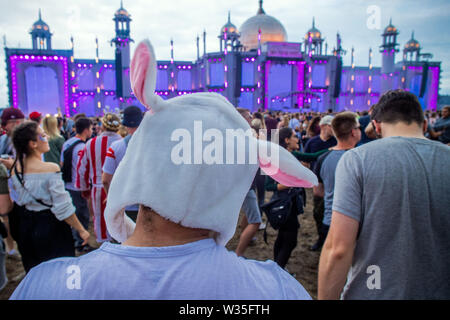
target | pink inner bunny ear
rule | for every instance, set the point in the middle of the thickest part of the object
(139, 68)
(143, 73)
(282, 166)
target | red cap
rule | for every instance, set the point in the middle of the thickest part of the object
(11, 114)
(35, 115)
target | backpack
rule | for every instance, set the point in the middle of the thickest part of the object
(67, 164)
(279, 208)
(277, 211)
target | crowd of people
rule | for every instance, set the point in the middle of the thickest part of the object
(379, 178)
(53, 170)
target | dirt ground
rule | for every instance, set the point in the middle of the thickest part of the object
(303, 263)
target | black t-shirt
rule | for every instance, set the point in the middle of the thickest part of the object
(316, 144)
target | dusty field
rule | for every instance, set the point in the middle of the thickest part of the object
(303, 263)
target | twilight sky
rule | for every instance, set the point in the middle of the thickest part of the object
(182, 20)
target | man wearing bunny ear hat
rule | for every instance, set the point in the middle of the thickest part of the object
(190, 193)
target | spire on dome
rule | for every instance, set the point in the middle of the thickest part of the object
(314, 23)
(260, 10)
(40, 18)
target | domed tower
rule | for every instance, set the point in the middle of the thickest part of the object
(412, 47)
(40, 35)
(389, 48)
(313, 40)
(229, 36)
(271, 30)
(122, 20)
(122, 41)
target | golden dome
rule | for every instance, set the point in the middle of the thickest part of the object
(271, 30)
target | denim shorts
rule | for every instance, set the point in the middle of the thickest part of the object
(251, 208)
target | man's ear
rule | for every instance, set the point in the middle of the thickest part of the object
(425, 126)
(377, 126)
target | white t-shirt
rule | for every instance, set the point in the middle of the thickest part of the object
(195, 271)
(114, 155)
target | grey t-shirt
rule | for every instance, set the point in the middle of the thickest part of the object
(325, 171)
(400, 186)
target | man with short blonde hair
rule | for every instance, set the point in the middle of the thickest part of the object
(345, 127)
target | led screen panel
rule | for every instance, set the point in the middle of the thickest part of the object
(319, 75)
(279, 86)
(111, 102)
(109, 79)
(184, 80)
(248, 74)
(246, 100)
(162, 80)
(86, 104)
(85, 79)
(216, 74)
(42, 90)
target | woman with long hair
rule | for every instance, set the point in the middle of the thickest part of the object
(258, 115)
(43, 213)
(287, 234)
(284, 123)
(312, 130)
(55, 140)
(313, 127)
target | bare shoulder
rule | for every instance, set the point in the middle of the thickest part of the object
(50, 167)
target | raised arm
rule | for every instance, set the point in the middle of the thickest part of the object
(308, 157)
(338, 250)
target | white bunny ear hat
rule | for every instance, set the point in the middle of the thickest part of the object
(194, 192)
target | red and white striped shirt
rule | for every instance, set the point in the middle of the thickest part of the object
(90, 163)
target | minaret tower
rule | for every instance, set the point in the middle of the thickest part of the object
(389, 48)
(40, 35)
(122, 42)
(229, 36)
(412, 49)
(313, 40)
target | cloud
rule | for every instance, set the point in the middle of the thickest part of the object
(183, 20)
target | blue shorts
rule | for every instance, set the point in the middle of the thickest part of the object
(251, 208)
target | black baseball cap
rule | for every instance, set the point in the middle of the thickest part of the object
(132, 117)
